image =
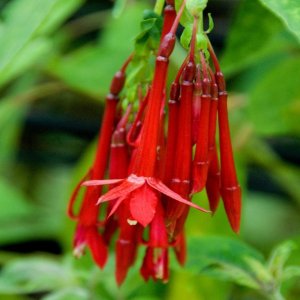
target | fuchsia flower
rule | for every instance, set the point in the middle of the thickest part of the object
(152, 172)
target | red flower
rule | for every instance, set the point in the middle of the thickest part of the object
(151, 172)
(141, 192)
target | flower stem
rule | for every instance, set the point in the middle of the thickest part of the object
(159, 5)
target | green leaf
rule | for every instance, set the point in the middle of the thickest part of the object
(279, 257)
(225, 258)
(265, 229)
(290, 272)
(37, 274)
(18, 32)
(255, 35)
(90, 69)
(13, 204)
(185, 37)
(196, 7)
(119, 8)
(149, 37)
(74, 293)
(186, 18)
(288, 12)
(275, 101)
(260, 270)
(48, 211)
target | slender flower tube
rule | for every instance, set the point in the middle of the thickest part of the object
(213, 182)
(230, 188)
(87, 227)
(180, 182)
(201, 161)
(213, 176)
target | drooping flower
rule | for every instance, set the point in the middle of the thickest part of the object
(153, 159)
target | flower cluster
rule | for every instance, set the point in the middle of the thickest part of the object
(153, 162)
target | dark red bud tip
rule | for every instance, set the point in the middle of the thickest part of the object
(112, 97)
(117, 83)
(180, 249)
(214, 92)
(167, 45)
(170, 8)
(199, 176)
(174, 92)
(213, 191)
(206, 87)
(197, 88)
(189, 72)
(232, 203)
(220, 81)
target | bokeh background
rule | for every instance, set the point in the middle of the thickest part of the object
(57, 58)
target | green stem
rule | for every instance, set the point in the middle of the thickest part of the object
(159, 5)
(276, 296)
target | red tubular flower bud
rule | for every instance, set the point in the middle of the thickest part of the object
(106, 130)
(127, 243)
(118, 80)
(230, 188)
(200, 163)
(197, 103)
(213, 182)
(172, 131)
(151, 127)
(134, 131)
(169, 18)
(180, 182)
(212, 118)
(189, 72)
(117, 83)
(119, 156)
(167, 45)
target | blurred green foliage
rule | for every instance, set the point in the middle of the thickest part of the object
(40, 61)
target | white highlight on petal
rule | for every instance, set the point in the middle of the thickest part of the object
(132, 222)
(136, 179)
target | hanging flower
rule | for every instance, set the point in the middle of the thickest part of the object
(153, 162)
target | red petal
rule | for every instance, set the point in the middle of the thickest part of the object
(125, 256)
(199, 176)
(213, 182)
(143, 205)
(158, 234)
(158, 185)
(101, 182)
(122, 190)
(116, 205)
(232, 203)
(97, 246)
(180, 248)
(147, 266)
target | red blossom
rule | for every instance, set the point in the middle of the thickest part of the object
(151, 168)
